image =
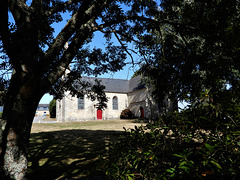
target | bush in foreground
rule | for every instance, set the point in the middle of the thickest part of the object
(200, 142)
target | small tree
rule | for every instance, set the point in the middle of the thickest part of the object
(52, 108)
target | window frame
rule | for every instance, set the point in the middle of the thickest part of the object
(81, 103)
(115, 103)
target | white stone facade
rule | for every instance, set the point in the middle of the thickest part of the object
(130, 94)
(42, 110)
(137, 99)
(67, 108)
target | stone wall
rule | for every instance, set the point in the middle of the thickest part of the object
(142, 98)
(137, 99)
(67, 108)
(109, 112)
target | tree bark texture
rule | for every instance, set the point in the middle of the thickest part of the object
(19, 111)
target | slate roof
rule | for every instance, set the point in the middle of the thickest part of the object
(43, 105)
(118, 85)
(135, 84)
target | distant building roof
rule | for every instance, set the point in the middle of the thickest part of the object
(118, 85)
(43, 105)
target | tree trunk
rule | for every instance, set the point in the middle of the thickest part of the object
(19, 111)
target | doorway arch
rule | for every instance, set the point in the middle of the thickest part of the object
(141, 112)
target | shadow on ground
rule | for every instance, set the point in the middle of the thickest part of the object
(68, 154)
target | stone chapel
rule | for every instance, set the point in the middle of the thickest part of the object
(122, 94)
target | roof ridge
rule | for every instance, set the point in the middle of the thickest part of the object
(106, 78)
(118, 85)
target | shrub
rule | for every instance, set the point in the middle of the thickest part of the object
(200, 142)
(138, 154)
(126, 114)
(52, 108)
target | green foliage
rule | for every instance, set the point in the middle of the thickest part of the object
(202, 141)
(52, 108)
(53, 47)
(193, 54)
(1, 113)
(36, 54)
(135, 155)
(137, 73)
(196, 49)
(126, 114)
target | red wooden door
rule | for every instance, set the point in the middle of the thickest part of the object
(99, 114)
(142, 112)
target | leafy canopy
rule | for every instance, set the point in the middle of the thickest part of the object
(29, 45)
(196, 49)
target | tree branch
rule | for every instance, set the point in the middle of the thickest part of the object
(85, 12)
(154, 22)
(61, 7)
(20, 11)
(68, 55)
(118, 32)
(4, 31)
(119, 40)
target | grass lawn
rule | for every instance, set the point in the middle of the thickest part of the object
(71, 150)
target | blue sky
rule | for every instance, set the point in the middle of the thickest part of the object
(98, 42)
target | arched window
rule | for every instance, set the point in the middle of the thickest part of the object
(115, 103)
(81, 103)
